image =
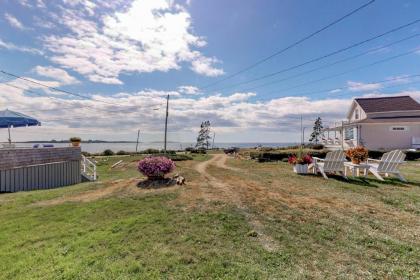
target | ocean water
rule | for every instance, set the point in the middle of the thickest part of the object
(131, 147)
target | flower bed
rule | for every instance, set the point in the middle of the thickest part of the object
(155, 167)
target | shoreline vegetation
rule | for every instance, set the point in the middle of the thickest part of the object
(260, 154)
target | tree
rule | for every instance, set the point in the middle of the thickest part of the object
(203, 139)
(317, 130)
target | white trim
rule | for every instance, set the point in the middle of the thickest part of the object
(400, 111)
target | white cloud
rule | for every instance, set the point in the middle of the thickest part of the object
(192, 90)
(13, 47)
(13, 21)
(148, 36)
(56, 74)
(358, 86)
(204, 66)
(335, 90)
(123, 111)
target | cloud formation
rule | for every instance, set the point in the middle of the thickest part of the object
(56, 74)
(13, 47)
(13, 21)
(358, 86)
(147, 36)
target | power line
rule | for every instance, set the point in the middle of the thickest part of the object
(348, 71)
(292, 45)
(348, 87)
(332, 63)
(57, 89)
(64, 101)
(323, 56)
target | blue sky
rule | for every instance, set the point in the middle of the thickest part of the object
(132, 53)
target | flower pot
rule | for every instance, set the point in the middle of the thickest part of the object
(75, 144)
(355, 161)
(300, 168)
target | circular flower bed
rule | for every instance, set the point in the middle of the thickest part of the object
(155, 167)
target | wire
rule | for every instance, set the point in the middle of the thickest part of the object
(348, 71)
(322, 57)
(348, 87)
(56, 89)
(332, 64)
(62, 101)
(292, 45)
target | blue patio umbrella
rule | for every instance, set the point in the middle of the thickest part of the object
(10, 119)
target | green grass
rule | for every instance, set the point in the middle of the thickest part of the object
(337, 229)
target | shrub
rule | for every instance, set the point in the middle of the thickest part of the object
(317, 147)
(75, 139)
(108, 152)
(155, 167)
(198, 151)
(122, 153)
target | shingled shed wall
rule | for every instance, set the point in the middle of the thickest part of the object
(43, 168)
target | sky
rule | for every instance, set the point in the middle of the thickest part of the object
(116, 61)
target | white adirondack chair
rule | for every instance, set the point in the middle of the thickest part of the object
(333, 163)
(388, 164)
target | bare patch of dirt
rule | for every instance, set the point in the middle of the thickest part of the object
(217, 190)
(122, 187)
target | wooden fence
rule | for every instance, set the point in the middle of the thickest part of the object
(33, 169)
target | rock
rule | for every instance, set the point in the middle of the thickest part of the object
(252, 233)
(180, 180)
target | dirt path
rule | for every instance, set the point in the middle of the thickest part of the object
(230, 193)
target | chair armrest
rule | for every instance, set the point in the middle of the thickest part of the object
(318, 159)
(371, 159)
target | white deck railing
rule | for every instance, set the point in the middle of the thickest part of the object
(89, 168)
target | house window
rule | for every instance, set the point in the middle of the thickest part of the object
(356, 114)
(349, 134)
(398, 128)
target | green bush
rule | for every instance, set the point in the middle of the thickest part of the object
(122, 153)
(174, 156)
(150, 151)
(108, 152)
(198, 151)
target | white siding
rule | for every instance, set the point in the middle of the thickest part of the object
(381, 136)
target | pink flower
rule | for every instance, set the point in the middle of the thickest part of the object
(155, 166)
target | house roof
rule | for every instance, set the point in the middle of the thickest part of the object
(388, 104)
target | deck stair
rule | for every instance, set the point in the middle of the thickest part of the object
(88, 170)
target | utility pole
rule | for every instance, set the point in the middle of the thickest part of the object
(166, 122)
(301, 131)
(138, 137)
(214, 135)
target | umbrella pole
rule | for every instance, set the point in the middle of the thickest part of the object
(10, 139)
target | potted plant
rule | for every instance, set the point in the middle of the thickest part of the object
(75, 141)
(358, 154)
(155, 168)
(300, 162)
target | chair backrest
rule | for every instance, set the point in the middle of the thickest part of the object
(391, 161)
(334, 161)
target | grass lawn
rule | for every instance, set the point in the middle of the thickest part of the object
(234, 219)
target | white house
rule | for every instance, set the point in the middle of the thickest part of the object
(380, 123)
